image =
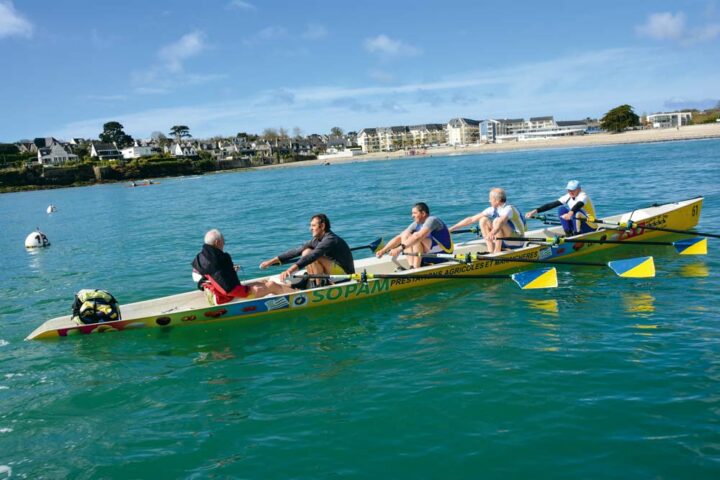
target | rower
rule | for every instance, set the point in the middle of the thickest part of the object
(499, 220)
(575, 210)
(427, 234)
(325, 253)
(218, 276)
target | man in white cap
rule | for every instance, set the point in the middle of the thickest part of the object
(575, 208)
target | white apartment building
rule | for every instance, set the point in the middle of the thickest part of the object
(669, 120)
(368, 140)
(428, 134)
(463, 131)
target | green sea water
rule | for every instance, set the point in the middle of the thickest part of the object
(600, 378)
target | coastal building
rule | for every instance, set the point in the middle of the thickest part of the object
(352, 139)
(177, 150)
(104, 151)
(502, 129)
(45, 142)
(537, 124)
(394, 138)
(489, 130)
(317, 141)
(55, 155)
(136, 151)
(26, 146)
(463, 131)
(518, 129)
(669, 120)
(368, 140)
(573, 127)
(301, 146)
(333, 153)
(337, 143)
(429, 134)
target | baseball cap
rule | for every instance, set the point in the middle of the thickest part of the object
(573, 185)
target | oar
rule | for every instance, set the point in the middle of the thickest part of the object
(374, 246)
(637, 267)
(468, 230)
(545, 219)
(532, 279)
(631, 224)
(688, 246)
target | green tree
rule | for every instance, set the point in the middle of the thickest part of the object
(180, 132)
(113, 133)
(336, 132)
(619, 118)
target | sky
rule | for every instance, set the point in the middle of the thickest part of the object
(226, 66)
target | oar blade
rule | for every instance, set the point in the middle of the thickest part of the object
(532, 279)
(691, 246)
(638, 267)
(376, 245)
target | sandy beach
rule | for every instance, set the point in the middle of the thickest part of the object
(690, 132)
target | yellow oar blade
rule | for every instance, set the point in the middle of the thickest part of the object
(532, 279)
(691, 246)
(640, 267)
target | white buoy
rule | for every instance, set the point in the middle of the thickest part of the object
(51, 208)
(36, 239)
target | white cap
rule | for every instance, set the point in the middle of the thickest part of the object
(573, 185)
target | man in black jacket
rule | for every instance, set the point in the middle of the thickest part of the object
(324, 253)
(214, 271)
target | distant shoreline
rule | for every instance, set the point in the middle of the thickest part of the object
(689, 132)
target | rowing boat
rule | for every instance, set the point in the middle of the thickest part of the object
(193, 308)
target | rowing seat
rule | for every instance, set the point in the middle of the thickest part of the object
(217, 295)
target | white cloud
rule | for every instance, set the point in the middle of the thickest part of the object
(704, 34)
(187, 46)
(242, 5)
(384, 45)
(566, 87)
(266, 34)
(12, 23)
(666, 26)
(663, 26)
(314, 32)
(155, 80)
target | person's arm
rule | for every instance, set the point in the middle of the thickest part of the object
(543, 208)
(576, 208)
(322, 248)
(284, 257)
(467, 221)
(411, 240)
(389, 246)
(499, 223)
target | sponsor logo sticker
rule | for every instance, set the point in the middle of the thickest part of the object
(299, 300)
